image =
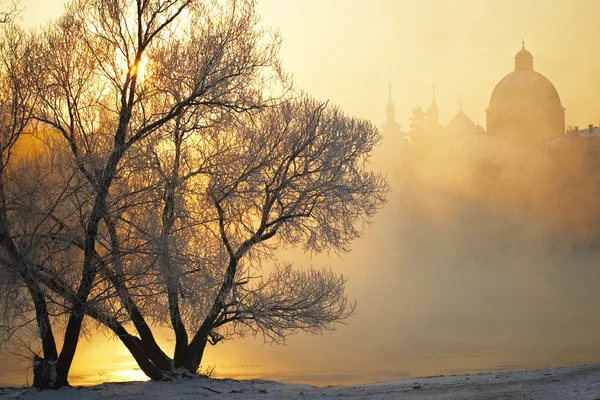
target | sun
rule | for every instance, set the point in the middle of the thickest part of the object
(140, 69)
(134, 69)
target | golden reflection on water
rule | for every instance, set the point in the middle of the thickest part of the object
(129, 372)
(103, 359)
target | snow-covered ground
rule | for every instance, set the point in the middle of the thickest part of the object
(578, 382)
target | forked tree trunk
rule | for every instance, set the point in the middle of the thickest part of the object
(135, 347)
(195, 350)
(151, 349)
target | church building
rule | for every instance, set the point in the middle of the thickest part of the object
(524, 111)
(525, 107)
(391, 128)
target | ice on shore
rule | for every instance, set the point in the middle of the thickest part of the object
(576, 382)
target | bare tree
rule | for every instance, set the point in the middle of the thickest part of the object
(201, 58)
(297, 178)
(23, 299)
(176, 167)
(227, 197)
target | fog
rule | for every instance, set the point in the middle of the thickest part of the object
(446, 283)
(455, 277)
(464, 270)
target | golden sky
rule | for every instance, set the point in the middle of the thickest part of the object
(346, 51)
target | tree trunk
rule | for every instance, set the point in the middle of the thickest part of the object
(195, 351)
(171, 277)
(135, 347)
(44, 327)
(44, 369)
(45, 374)
(151, 348)
(181, 337)
(71, 338)
(89, 272)
(197, 346)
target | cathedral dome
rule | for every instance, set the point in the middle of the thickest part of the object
(525, 107)
(524, 88)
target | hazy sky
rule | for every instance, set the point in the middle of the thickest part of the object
(347, 50)
(402, 272)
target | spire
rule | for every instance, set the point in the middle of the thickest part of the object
(390, 126)
(433, 111)
(390, 109)
(523, 43)
(460, 103)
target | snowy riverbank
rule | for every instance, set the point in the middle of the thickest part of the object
(577, 382)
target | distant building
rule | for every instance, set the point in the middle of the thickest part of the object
(592, 133)
(524, 111)
(525, 107)
(432, 116)
(391, 128)
(462, 125)
(588, 138)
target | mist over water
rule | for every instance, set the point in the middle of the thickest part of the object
(464, 270)
(449, 282)
(468, 273)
